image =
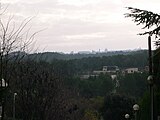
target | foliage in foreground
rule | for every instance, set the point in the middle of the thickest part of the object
(116, 106)
(150, 20)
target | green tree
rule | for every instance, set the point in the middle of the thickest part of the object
(145, 107)
(116, 106)
(134, 84)
(146, 18)
(90, 115)
(95, 86)
(150, 21)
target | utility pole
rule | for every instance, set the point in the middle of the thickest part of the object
(150, 79)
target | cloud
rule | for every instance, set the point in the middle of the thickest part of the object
(81, 24)
(79, 2)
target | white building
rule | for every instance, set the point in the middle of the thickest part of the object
(131, 70)
(107, 69)
(111, 68)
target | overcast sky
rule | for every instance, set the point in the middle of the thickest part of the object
(83, 25)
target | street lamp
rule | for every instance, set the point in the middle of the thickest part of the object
(14, 101)
(150, 79)
(136, 108)
(4, 83)
(127, 116)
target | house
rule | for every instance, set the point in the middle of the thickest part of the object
(87, 76)
(107, 69)
(110, 68)
(131, 70)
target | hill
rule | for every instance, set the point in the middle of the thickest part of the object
(49, 56)
(79, 63)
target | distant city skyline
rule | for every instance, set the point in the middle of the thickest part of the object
(82, 25)
(102, 51)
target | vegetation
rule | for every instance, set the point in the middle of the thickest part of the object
(40, 93)
(150, 20)
(50, 87)
(134, 84)
(50, 56)
(116, 106)
(84, 65)
(55, 90)
(14, 40)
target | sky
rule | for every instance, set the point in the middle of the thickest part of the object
(82, 25)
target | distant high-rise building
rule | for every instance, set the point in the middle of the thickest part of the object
(106, 50)
(93, 52)
(84, 52)
(72, 52)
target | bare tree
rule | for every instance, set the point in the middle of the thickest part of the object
(15, 40)
(42, 94)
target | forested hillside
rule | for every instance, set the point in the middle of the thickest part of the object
(49, 56)
(134, 59)
(52, 88)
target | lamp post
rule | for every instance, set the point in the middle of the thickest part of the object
(150, 79)
(0, 112)
(136, 108)
(14, 101)
(3, 87)
(127, 116)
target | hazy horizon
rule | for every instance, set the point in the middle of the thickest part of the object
(92, 51)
